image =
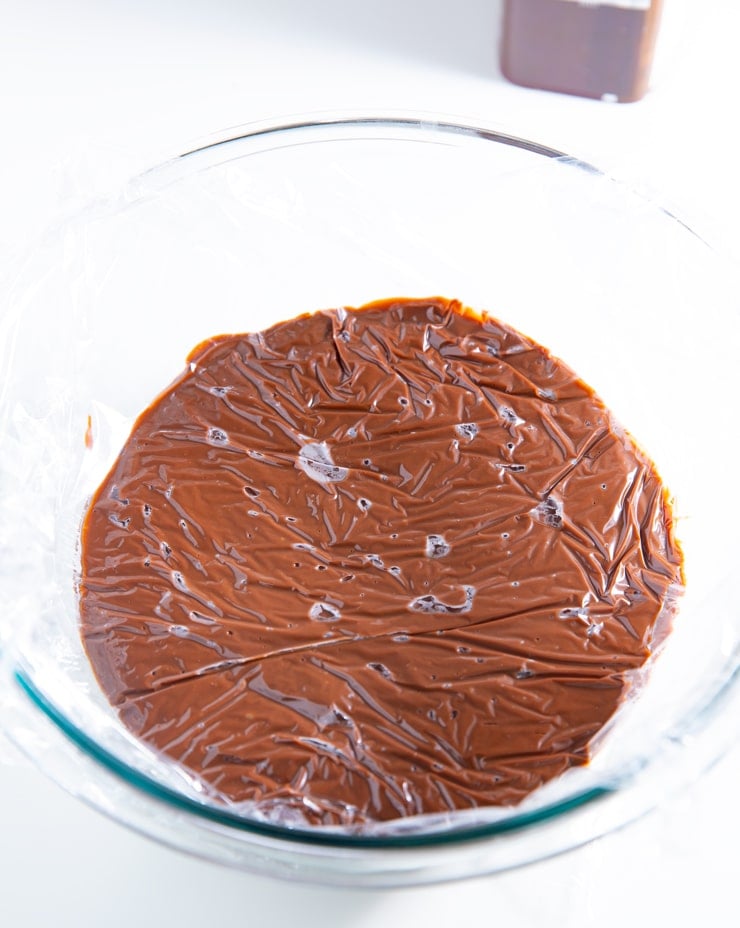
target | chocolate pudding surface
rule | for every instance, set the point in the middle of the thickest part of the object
(376, 562)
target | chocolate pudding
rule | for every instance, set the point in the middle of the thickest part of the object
(374, 563)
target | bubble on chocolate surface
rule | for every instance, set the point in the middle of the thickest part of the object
(217, 436)
(431, 605)
(315, 460)
(510, 417)
(324, 612)
(549, 511)
(467, 430)
(436, 546)
(574, 612)
(512, 468)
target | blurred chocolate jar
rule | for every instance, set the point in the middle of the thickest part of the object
(601, 50)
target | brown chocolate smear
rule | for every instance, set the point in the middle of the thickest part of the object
(372, 563)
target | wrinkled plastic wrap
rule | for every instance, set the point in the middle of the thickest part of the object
(243, 234)
(373, 563)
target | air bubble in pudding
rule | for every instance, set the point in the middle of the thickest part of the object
(436, 546)
(431, 605)
(549, 511)
(324, 612)
(315, 460)
(467, 430)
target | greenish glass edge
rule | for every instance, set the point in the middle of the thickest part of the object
(152, 788)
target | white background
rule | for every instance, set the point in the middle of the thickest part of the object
(92, 92)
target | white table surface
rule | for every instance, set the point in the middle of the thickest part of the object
(91, 92)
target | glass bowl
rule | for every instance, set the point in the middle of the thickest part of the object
(270, 221)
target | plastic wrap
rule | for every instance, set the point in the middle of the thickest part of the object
(375, 563)
(261, 226)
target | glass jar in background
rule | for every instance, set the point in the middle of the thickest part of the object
(591, 49)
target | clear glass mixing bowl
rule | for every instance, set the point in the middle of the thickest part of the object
(270, 221)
